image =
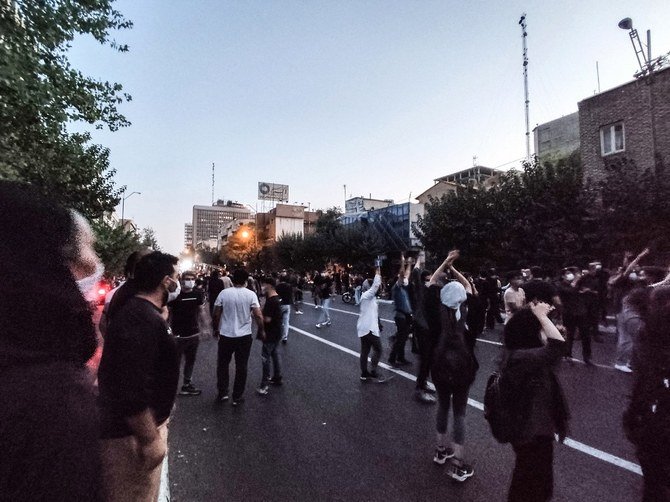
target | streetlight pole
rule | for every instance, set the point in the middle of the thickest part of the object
(123, 205)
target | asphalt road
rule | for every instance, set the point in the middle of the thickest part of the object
(324, 435)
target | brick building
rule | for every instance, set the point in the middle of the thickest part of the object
(630, 121)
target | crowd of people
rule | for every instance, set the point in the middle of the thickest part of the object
(64, 438)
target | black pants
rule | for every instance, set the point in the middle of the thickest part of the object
(533, 476)
(188, 348)
(493, 312)
(427, 345)
(403, 325)
(240, 347)
(370, 341)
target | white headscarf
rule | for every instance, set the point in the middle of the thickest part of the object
(452, 295)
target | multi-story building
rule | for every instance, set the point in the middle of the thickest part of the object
(285, 219)
(207, 220)
(188, 235)
(478, 176)
(360, 204)
(631, 121)
(393, 223)
(557, 139)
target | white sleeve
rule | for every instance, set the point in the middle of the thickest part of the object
(219, 301)
(372, 292)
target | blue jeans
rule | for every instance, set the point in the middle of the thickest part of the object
(325, 310)
(285, 317)
(270, 356)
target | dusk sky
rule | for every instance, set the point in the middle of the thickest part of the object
(382, 96)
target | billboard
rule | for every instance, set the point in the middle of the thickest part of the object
(272, 191)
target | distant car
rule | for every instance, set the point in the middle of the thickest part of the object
(101, 292)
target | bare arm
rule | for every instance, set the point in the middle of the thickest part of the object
(445, 264)
(216, 317)
(258, 315)
(461, 278)
(151, 449)
(549, 330)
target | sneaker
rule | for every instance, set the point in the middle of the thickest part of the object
(328, 323)
(238, 401)
(318, 325)
(460, 472)
(275, 381)
(623, 367)
(284, 340)
(222, 397)
(262, 390)
(189, 390)
(424, 397)
(366, 376)
(442, 454)
(298, 312)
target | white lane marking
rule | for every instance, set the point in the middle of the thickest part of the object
(164, 491)
(571, 443)
(483, 340)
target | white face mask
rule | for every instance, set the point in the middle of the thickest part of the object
(569, 277)
(405, 281)
(172, 295)
(88, 285)
(633, 276)
(190, 284)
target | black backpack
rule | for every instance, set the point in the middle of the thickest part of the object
(454, 365)
(497, 410)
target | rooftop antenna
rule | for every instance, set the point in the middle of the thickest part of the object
(524, 35)
(212, 183)
(598, 75)
(474, 161)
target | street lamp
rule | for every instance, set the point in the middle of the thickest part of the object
(123, 205)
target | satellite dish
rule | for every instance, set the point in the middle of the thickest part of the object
(626, 23)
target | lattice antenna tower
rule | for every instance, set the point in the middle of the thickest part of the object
(524, 36)
(212, 183)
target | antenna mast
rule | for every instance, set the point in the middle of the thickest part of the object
(212, 183)
(524, 35)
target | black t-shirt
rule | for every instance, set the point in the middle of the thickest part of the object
(272, 309)
(139, 368)
(184, 312)
(285, 292)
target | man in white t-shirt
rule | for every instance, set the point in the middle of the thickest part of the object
(514, 297)
(231, 320)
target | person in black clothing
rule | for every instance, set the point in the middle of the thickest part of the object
(588, 286)
(573, 312)
(272, 320)
(285, 292)
(138, 378)
(48, 416)
(214, 287)
(184, 315)
(533, 346)
(489, 289)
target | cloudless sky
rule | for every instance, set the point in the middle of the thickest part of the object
(382, 96)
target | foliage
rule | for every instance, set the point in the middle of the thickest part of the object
(114, 244)
(149, 239)
(41, 94)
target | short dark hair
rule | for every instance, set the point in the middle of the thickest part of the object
(151, 269)
(522, 331)
(240, 276)
(188, 273)
(131, 262)
(270, 281)
(514, 274)
(536, 271)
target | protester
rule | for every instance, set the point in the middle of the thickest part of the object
(48, 417)
(573, 312)
(454, 365)
(368, 327)
(403, 314)
(647, 418)
(214, 287)
(514, 296)
(533, 346)
(285, 292)
(185, 311)
(231, 321)
(325, 294)
(588, 285)
(138, 378)
(273, 314)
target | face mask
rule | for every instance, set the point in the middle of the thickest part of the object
(427, 283)
(405, 281)
(88, 285)
(599, 267)
(570, 277)
(172, 295)
(632, 276)
(190, 284)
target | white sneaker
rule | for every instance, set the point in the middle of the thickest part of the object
(298, 312)
(623, 367)
(318, 325)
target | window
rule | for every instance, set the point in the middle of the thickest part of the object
(612, 139)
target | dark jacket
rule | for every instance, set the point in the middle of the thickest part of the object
(535, 389)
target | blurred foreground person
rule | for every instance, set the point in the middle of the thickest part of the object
(138, 378)
(48, 417)
(647, 419)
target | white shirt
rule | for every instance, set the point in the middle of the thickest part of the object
(368, 320)
(236, 304)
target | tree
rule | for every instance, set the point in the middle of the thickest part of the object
(149, 239)
(114, 244)
(41, 94)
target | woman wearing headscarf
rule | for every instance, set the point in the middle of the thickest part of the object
(454, 365)
(48, 417)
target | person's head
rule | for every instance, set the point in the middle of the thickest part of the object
(156, 273)
(425, 277)
(45, 250)
(522, 331)
(268, 285)
(215, 274)
(515, 279)
(536, 273)
(131, 262)
(526, 274)
(539, 291)
(595, 266)
(189, 280)
(651, 275)
(240, 277)
(568, 274)
(453, 294)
